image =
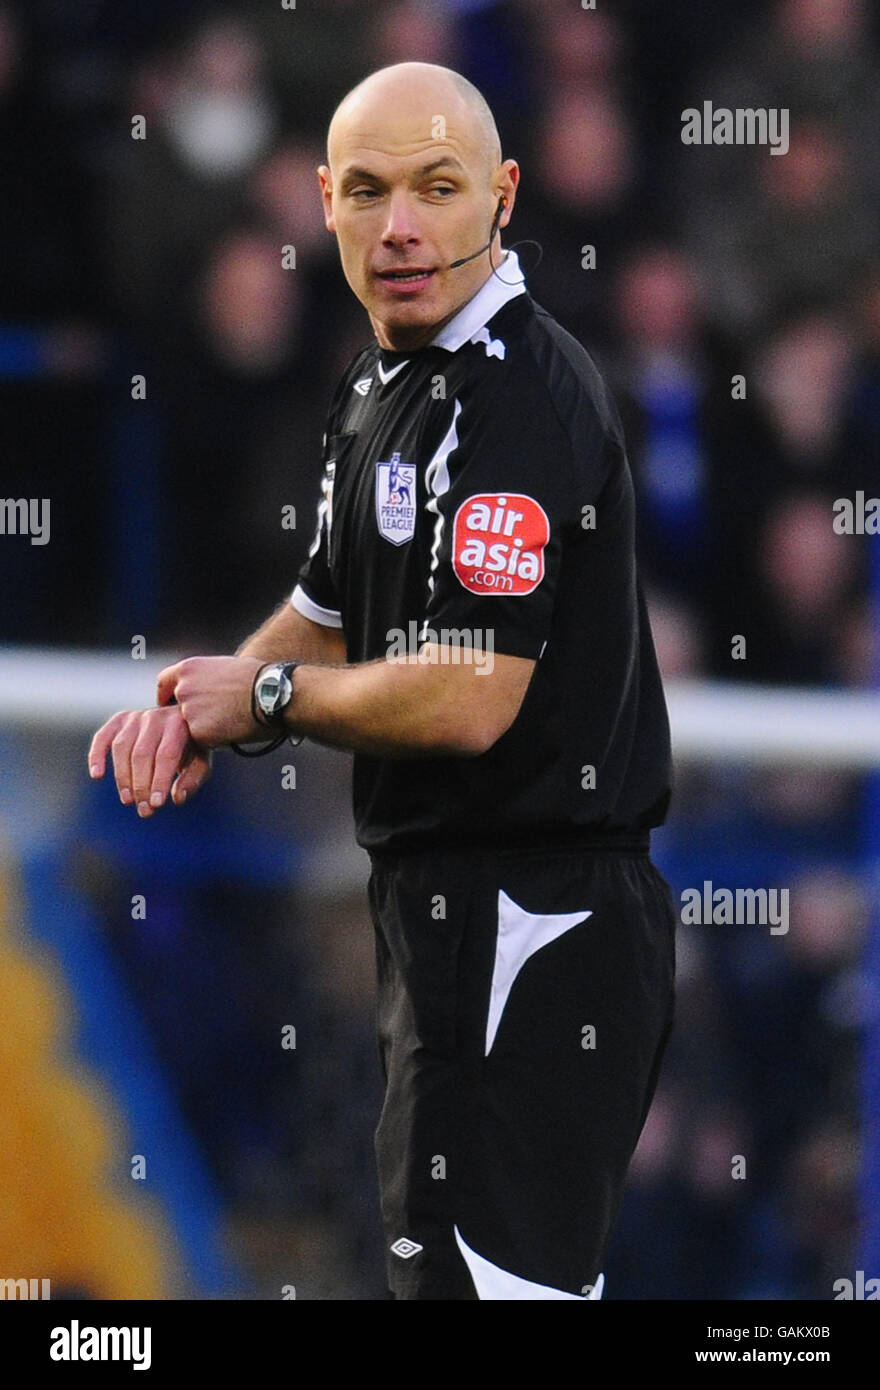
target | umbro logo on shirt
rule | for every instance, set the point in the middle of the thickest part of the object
(363, 386)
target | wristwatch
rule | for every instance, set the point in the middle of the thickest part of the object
(273, 692)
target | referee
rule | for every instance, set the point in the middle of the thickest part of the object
(469, 622)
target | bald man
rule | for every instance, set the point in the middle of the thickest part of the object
(469, 622)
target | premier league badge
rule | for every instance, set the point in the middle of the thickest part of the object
(395, 500)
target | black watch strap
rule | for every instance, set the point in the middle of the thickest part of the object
(258, 752)
(288, 668)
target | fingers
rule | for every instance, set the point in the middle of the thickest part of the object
(121, 747)
(170, 757)
(155, 757)
(194, 773)
(165, 683)
(100, 745)
(149, 749)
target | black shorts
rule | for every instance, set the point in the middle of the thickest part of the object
(525, 999)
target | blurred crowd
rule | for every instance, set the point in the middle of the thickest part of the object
(734, 302)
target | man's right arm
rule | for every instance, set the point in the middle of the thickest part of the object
(151, 749)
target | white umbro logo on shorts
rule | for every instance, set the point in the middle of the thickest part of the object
(406, 1248)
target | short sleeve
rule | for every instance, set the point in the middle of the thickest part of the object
(315, 594)
(502, 490)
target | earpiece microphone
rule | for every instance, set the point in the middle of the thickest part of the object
(502, 204)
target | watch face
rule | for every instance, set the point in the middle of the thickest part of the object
(269, 692)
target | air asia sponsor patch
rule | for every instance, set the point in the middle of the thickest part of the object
(395, 500)
(498, 543)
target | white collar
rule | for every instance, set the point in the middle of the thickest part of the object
(484, 306)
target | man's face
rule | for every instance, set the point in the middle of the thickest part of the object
(406, 197)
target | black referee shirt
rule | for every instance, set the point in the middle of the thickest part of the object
(480, 485)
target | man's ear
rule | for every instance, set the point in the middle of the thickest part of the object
(507, 181)
(326, 182)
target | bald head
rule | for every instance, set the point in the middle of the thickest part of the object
(415, 190)
(408, 94)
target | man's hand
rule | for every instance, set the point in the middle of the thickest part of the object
(150, 748)
(213, 694)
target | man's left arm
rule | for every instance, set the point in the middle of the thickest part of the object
(511, 487)
(435, 704)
